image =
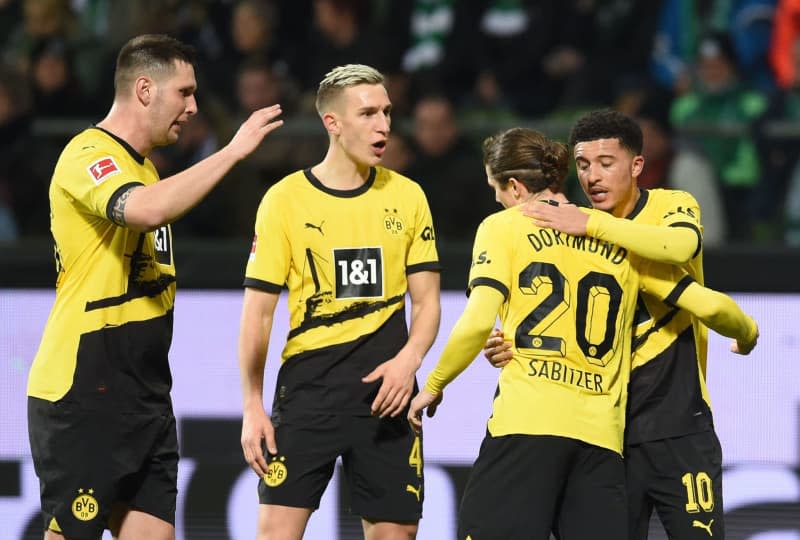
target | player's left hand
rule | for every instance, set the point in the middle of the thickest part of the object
(566, 218)
(422, 401)
(398, 383)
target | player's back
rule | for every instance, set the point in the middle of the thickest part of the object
(569, 307)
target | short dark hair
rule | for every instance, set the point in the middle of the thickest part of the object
(529, 157)
(149, 53)
(607, 124)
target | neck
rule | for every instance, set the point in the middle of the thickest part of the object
(338, 171)
(623, 210)
(128, 126)
(538, 196)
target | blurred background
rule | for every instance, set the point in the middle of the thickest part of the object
(715, 85)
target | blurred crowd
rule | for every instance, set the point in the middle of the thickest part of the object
(714, 83)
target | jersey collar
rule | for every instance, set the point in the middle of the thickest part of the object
(345, 193)
(134, 154)
(643, 195)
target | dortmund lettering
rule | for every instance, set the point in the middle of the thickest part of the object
(546, 238)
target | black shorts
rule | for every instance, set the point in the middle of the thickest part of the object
(381, 458)
(525, 486)
(89, 460)
(681, 478)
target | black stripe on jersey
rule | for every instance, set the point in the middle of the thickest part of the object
(696, 231)
(432, 266)
(313, 268)
(328, 379)
(137, 288)
(678, 290)
(489, 282)
(643, 196)
(112, 201)
(354, 311)
(262, 285)
(638, 341)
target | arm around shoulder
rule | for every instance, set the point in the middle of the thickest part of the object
(674, 244)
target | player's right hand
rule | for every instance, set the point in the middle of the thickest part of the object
(257, 427)
(253, 130)
(743, 347)
(422, 401)
(497, 351)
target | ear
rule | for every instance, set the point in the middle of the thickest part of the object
(145, 90)
(513, 184)
(331, 123)
(637, 165)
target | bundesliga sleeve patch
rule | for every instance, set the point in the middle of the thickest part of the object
(102, 169)
(253, 248)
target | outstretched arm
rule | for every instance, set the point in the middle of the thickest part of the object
(716, 310)
(145, 208)
(464, 344)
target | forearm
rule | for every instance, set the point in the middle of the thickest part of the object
(720, 313)
(152, 206)
(252, 360)
(424, 327)
(674, 245)
(466, 339)
(255, 327)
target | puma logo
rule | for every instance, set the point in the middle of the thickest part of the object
(415, 491)
(699, 524)
(317, 227)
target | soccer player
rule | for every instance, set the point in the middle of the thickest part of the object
(100, 419)
(552, 457)
(672, 454)
(349, 239)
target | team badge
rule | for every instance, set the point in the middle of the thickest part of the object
(276, 472)
(392, 222)
(85, 506)
(102, 169)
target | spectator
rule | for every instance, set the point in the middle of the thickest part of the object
(785, 33)
(780, 152)
(253, 27)
(719, 98)
(339, 34)
(398, 155)
(448, 168)
(257, 83)
(23, 177)
(679, 166)
(57, 92)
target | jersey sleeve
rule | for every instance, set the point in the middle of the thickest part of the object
(466, 339)
(716, 310)
(676, 239)
(95, 178)
(491, 262)
(270, 253)
(422, 254)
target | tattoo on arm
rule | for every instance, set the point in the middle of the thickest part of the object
(118, 210)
